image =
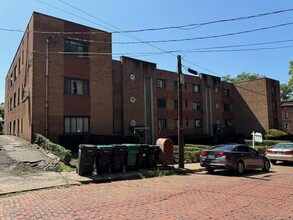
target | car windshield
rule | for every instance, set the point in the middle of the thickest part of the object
(223, 148)
(284, 146)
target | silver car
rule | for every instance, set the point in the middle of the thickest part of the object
(239, 157)
(281, 152)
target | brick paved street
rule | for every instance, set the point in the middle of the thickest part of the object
(256, 195)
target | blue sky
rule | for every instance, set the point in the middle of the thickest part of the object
(112, 15)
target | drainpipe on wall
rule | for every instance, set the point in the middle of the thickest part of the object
(47, 87)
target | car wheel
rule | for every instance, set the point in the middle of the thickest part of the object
(274, 162)
(266, 165)
(210, 170)
(240, 168)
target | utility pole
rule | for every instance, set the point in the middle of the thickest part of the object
(180, 115)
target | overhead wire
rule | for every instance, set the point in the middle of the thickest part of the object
(182, 26)
(190, 26)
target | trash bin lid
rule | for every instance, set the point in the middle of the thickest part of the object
(86, 146)
(154, 146)
(102, 147)
(132, 147)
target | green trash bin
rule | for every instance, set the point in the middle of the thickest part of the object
(153, 157)
(86, 158)
(103, 158)
(133, 150)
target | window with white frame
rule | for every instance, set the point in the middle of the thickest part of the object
(162, 123)
(197, 123)
(161, 83)
(76, 86)
(195, 88)
(196, 105)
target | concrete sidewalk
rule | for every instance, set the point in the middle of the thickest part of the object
(43, 180)
(17, 176)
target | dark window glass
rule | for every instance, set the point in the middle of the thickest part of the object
(226, 92)
(76, 125)
(161, 103)
(175, 104)
(76, 48)
(226, 107)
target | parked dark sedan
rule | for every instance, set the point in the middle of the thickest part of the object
(237, 157)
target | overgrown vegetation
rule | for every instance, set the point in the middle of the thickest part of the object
(275, 134)
(64, 154)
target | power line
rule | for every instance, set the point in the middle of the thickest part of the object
(196, 25)
(157, 41)
(120, 31)
(208, 37)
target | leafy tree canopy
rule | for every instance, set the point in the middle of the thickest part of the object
(242, 77)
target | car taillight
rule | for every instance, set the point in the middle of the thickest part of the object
(270, 151)
(222, 154)
(289, 152)
(203, 154)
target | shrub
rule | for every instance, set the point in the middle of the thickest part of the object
(64, 154)
(275, 134)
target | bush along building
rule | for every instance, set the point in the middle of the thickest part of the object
(63, 81)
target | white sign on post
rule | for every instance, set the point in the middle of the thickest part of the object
(256, 137)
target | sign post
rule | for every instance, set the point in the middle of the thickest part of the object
(256, 137)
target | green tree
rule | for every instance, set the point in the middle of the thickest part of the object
(242, 77)
(286, 92)
(290, 73)
(287, 89)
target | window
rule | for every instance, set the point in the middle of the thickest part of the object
(286, 126)
(18, 96)
(186, 104)
(196, 105)
(197, 123)
(196, 88)
(162, 123)
(274, 106)
(15, 72)
(161, 83)
(76, 87)
(226, 107)
(161, 103)
(186, 123)
(14, 100)
(286, 115)
(228, 123)
(273, 90)
(175, 86)
(176, 123)
(226, 92)
(76, 48)
(185, 86)
(76, 125)
(22, 57)
(175, 104)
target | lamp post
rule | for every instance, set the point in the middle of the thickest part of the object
(180, 81)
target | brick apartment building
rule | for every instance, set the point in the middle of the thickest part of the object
(63, 81)
(287, 116)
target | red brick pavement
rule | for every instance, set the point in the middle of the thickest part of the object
(256, 195)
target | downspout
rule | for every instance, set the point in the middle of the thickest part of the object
(47, 87)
